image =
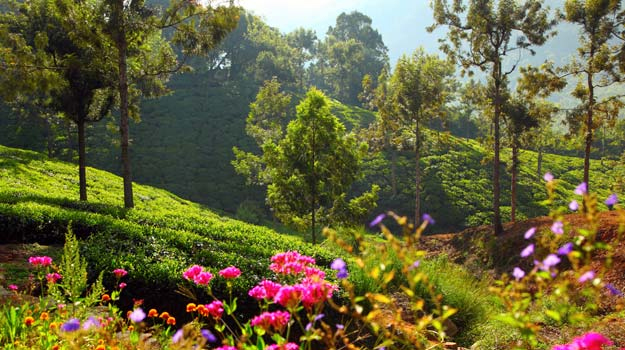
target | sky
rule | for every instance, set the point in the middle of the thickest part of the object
(400, 22)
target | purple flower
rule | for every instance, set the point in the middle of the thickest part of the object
(529, 250)
(550, 261)
(137, 315)
(339, 326)
(428, 218)
(378, 219)
(341, 267)
(565, 249)
(71, 325)
(548, 177)
(518, 273)
(612, 199)
(587, 276)
(530, 233)
(91, 322)
(613, 290)
(210, 337)
(415, 264)
(318, 317)
(557, 228)
(581, 189)
(574, 206)
(177, 336)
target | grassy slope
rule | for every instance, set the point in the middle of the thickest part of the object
(163, 235)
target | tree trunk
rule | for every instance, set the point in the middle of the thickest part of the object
(539, 168)
(49, 136)
(417, 207)
(122, 47)
(515, 164)
(82, 174)
(393, 171)
(496, 186)
(70, 143)
(589, 117)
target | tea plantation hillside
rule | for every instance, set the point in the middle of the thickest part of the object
(157, 240)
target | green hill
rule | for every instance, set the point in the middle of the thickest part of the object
(157, 240)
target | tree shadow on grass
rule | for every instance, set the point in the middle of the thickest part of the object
(117, 212)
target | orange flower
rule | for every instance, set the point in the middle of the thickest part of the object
(100, 347)
(29, 321)
(52, 326)
(44, 316)
(55, 347)
(164, 315)
(152, 313)
(131, 328)
(202, 310)
(171, 321)
(106, 297)
(191, 307)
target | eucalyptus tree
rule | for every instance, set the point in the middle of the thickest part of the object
(420, 90)
(145, 56)
(481, 34)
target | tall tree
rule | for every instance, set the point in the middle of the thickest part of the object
(351, 50)
(419, 92)
(480, 35)
(310, 170)
(51, 50)
(137, 32)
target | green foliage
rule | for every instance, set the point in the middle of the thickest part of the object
(73, 268)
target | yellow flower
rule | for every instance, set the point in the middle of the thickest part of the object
(44, 316)
(29, 321)
(191, 307)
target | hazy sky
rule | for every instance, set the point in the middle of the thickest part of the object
(400, 22)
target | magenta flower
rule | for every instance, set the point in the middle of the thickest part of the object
(529, 233)
(548, 177)
(53, 277)
(203, 278)
(573, 206)
(191, 272)
(529, 250)
(122, 285)
(43, 261)
(215, 309)
(226, 347)
(518, 273)
(287, 346)
(581, 189)
(378, 219)
(119, 273)
(587, 276)
(267, 320)
(13, 287)
(588, 341)
(290, 263)
(230, 272)
(557, 228)
(288, 296)
(611, 201)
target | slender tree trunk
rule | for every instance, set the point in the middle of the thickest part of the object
(589, 117)
(122, 47)
(539, 168)
(515, 164)
(49, 136)
(82, 173)
(496, 174)
(393, 172)
(70, 143)
(417, 207)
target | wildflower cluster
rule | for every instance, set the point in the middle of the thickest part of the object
(561, 284)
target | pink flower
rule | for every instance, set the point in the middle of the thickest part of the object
(215, 309)
(288, 296)
(53, 277)
(278, 320)
(290, 263)
(588, 341)
(311, 272)
(40, 261)
(122, 285)
(203, 278)
(192, 272)
(230, 272)
(315, 292)
(13, 287)
(226, 347)
(287, 346)
(119, 273)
